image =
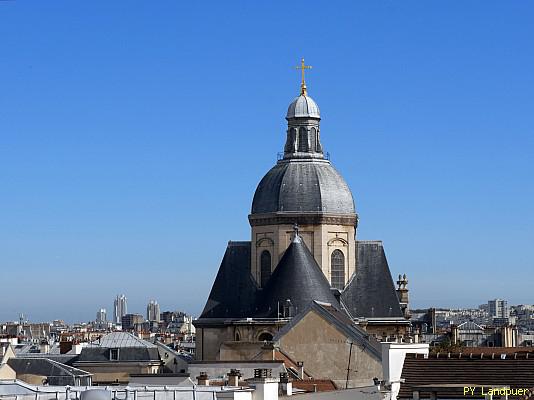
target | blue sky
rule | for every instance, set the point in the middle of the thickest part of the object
(133, 135)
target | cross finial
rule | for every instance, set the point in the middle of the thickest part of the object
(302, 67)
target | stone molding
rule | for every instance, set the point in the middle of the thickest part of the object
(302, 219)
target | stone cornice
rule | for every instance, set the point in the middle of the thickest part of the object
(289, 218)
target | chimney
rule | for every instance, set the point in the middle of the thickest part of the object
(300, 364)
(266, 387)
(203, 379)
(402, 294)
(286, 386)
(454, 334)
(233, 377)
(44, 347)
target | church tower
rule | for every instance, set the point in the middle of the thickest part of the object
(304, 188)
(303, 244)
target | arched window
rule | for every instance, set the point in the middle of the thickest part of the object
(337, 269)
(265, 337)
(290, 142)
(265, 267)
(303, 140)
(313, 139)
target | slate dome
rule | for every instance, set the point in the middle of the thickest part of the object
(303, 107)
(310, 185)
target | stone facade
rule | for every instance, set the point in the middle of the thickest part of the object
(225, 340)
(324, 350)
(321, 239)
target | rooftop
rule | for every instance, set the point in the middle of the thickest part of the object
(121, 339)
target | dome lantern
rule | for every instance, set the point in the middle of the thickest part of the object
(303, 118)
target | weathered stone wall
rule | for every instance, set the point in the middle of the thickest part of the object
(234, 351)
(325, 352)
(210, 339)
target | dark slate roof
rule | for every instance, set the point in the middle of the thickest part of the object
(371, 292)
(440, 373)
(97, 354)
(297, 278)
(303, 186)
(67, 359)
(341, 321)
(43, 367)
(233, 294)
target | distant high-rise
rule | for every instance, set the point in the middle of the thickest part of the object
(101, 317)
(152, 311)
(120, 309)
(498, 308)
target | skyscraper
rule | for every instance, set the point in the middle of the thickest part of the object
(498, 308)
(101, 317)
(120, 308)
(152, 311)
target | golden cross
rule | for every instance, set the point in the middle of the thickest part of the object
(303, 67)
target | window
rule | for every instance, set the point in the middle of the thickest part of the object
(303, 140)
(337, 269)
(114, 354)
(318, 147)
(265, 267)
(290, 143)
(265, 337)
(313, 139)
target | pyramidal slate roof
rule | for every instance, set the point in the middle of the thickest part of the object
(371, 292)
(297, 278)
(233, 294)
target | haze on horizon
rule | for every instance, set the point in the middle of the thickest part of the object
(133, 135)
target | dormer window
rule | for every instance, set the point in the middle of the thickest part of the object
(114, 354)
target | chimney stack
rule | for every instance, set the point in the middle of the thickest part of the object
(233, 377)
(300, 364)
(402, 294)
(286, 386)
(266, 386)
(203, 379)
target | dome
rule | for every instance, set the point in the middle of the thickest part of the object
(303, 186)
(303, 107)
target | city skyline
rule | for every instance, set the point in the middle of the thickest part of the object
(134, 150)
(142, 311)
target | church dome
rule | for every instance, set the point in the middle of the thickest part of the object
(302, 186)
(303, 107)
